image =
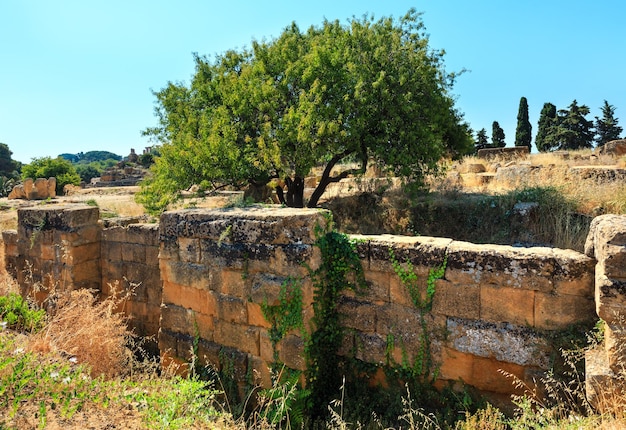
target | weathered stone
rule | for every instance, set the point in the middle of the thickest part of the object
(512, 305)
(503, 341)
(559, 311)
(357, 315)
(462, 301)
(610, 299)
(238, 336)
(614, 147)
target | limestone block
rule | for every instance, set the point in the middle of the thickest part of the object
(17, 192)
(371, 348)
(291, 352)
(81, 253)
(462, 301)
(502, 341)
(177, 319)
(234, 283)
(423, 252)
(378, 284)
(610, 298)
(241, 337)
(134, 252)
(194, 299)
(232, 310)
(28, 186)
(265, 287)
(357, 315)
(402, 322)
(245, 225)
(615, 347)
(261, 375)
(513, 305)
(507, 266)
(558, 311)
(195, 275)
(255, 316)
(605, 230)
(189, 249)
(52, 187)
(604, 389)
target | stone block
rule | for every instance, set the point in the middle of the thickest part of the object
(291, 352)
(615, 347)
(143, 234)
(502, 341)
(255, 316)
(462, 301)
(235, 284)
(189, 249)
(371, 348)
(111, 251)
(265, 346)
(232, 309)
(177, 319)
(402, 322)
(249, 225)
(116, 233)
(423, 252)
(357, 315)
(512, 305)
(378, 284)
(134, 252)
(195, 275)
(261, 375)
(87, 271)
(237, 336)
(507, 266)
(610, 299)
(79, 254)
(558, 311)
(201, 301)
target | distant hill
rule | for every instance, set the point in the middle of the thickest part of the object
(90, 156)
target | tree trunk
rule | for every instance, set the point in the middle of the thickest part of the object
(295, 192)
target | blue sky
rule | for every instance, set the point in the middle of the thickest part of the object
(77, 75)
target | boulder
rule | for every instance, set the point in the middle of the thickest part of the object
(614, 147)
(39, 189)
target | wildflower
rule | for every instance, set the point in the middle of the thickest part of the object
(73, 360)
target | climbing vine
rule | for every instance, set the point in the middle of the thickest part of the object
(287, 314)
(340, 269)
(423, 365)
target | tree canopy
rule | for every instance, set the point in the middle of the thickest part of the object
(606, 127)
(368, 91)
(547, 118)
(569, 129)
(46, 167)
(497, 136)
(523, 132)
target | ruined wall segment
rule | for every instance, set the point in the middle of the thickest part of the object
(130, 270)
(57, 246)
(605, 364)
(218, 267)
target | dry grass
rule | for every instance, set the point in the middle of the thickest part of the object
(88, 330)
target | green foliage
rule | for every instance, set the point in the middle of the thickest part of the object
(91, 157)
(8, 166)
(523, 132)
(286, 403)
(16, 312)
(570, 129)
(547, 118)
(421, 370)
(46, 167)
(369, 90)
(6, 185)
(606, 127)
(340, 269)
(481, 139)
(287, 314)
(88, 171)
(497, 136)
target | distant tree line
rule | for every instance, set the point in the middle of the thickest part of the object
(563, 129)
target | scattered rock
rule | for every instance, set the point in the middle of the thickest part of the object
(614, 147)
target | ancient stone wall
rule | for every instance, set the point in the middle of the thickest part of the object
(130, 270)
(200, 278)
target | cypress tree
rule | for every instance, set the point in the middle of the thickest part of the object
(523, 132)
(481, 139)
(497, 136)
(547, 119)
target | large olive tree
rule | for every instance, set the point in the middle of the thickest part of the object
(368, 91)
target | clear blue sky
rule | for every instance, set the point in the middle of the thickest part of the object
(77, 75)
